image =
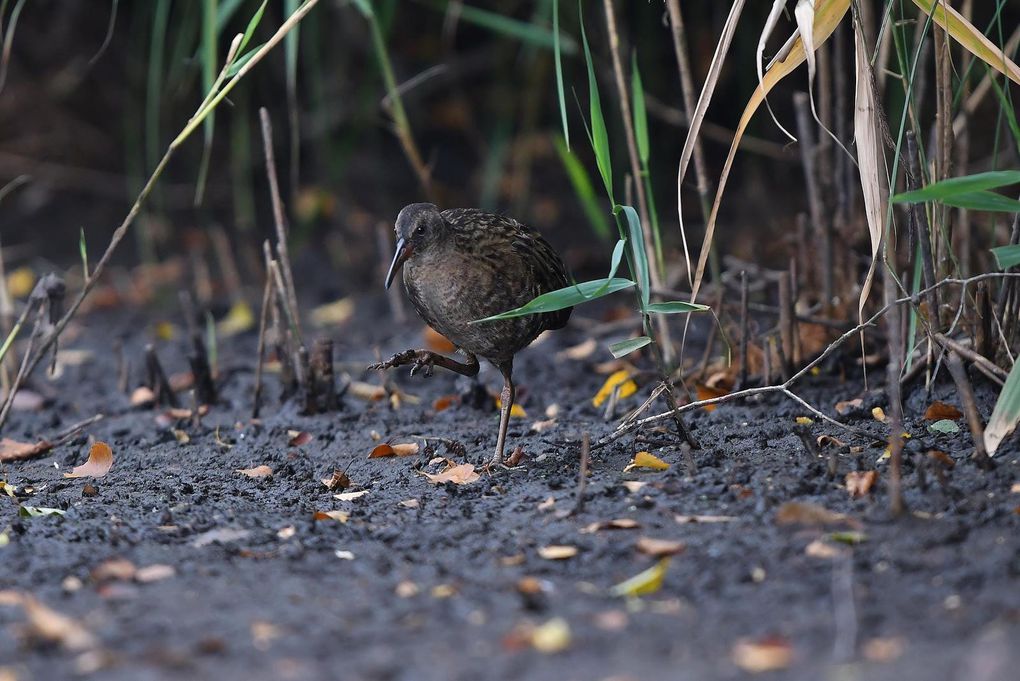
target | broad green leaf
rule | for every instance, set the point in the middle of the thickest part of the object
(514, 28)
(564, 298)
(599, 135)
(365, 7)
(628, 346)
(938, 191)
(583, 188)
(944, 426)
(557, 52)
(637, 248)
(1007, 256)
(252, 25)
(1006, 412)
(987, 201)
(969, 37)
(675, 307)
(640, 117)
(38, 511)
(615, 263)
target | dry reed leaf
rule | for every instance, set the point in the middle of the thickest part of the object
(350, 496)
(965, 33)
(557, 552)
(659, 548)
(828, 14)
(437, 342)
(262, 471)
(763, 655)
(339, 516)
(12, 450)
(464, 474)
(766, 32)
(154, 573)
(937, 411)
(614, 524)
(646, 460)
(400, 449)
(870, 160)
(858, 483)
(99, 463)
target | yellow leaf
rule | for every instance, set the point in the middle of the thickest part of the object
(331, 314)
(551, 637)
(804, 421)
(643, 583)
(646, 460)
(20, 282)
(164, 331)
(618, 378)
(516, 410)
(969, 37)
(879, 414)
(240, 318)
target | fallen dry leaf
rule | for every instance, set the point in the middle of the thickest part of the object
(645, 582)
(707, 392)
(858, 483)
(341, 516)
(557, 552)
(333, 314)
(847, 406)
(367, 391)
(99, 463)
(437, 342)
(445, 402)
(580, 351)
(338, 480)
(12, 450)
(262, 471)
(464, 474)
(142, 396)
(222, 535)
(762, 655)
(350, 496)
(409, 503)
(114, 569)
(551, 637)
(820, 548)
(646, 460)
(298, 438)
(618, 378)
(878, 414)
(1015, 488)
(399, 449)
(154, 573)
(683, 519)
(634, 486)
(659, 548)
(49, 625)
(802, 513)
(938, 411)
(883, 649)
(614, 524)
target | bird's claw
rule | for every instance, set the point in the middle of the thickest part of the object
(420, 360)
(423, 362)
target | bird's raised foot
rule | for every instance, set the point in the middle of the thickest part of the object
(420, 360)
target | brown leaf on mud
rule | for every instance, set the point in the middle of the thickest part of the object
(938, 411)
(634, 486)
(614, 524)
(883, 649)
(99, 463)
(847, 406)
(298, 438)
(46, 625)
(262, 471)
(12, 450)
(154, 573)
(858, 483)
(552, 636)
(683, 519)
(119, 569)
(941, 458)
(437, 342)
(557, 552)
(464, 474)
(762, 655)
(803, 513)
(820, 548)
(142, 396)
(399, 449)
(659, 548)
(350, 496)
(338, 480)
(707, 392)
(369, 392)
(827, 440)
(444, 402)
(341, 516)
(580, 351)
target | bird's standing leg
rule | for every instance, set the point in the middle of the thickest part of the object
(426, 360)
(506, 398)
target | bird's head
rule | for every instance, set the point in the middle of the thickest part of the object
(418, 226)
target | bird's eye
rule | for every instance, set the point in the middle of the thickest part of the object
(419, 230)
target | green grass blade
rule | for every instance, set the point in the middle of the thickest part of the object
(987, 201)
(252, 25)
(239, 62)
(639, 258)
(558, 53)
(565, 297)
(1006, 412)
(583, 188)
(519, 30)
(939, 191)
(640, 116)
(209, 67)
(628, 346)
(154, 82)
(599, 135)
(84, 251)
(675, 307)
(1007, 256)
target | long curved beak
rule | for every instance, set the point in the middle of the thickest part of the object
(402, 253)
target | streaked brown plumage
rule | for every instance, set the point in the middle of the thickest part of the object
(462, 265)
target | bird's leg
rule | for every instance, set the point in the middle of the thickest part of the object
(426, 360)
(506, 398)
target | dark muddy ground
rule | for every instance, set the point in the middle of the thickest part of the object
(431, 588)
